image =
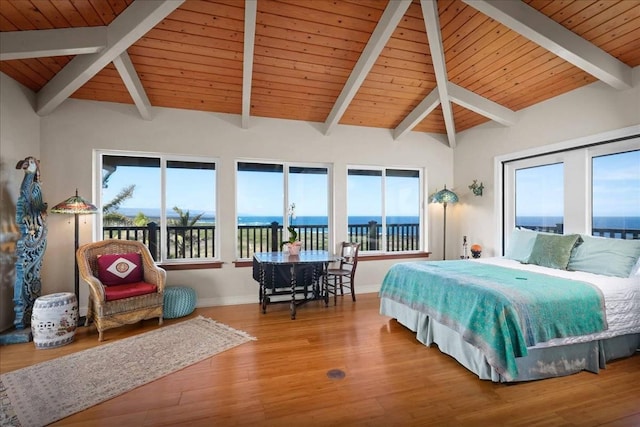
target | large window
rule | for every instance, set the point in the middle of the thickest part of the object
(166, 202)
(384, 208)
(591, 189)
(539, 194)
(616, 195)
(273, 196)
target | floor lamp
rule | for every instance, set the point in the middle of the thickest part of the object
(444, 196)
(75, 206)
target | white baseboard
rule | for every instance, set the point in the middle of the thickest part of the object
(246, 299)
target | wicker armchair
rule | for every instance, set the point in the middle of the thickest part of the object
(106, 313)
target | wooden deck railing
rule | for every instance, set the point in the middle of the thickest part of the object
(198, 241)
(261, 238)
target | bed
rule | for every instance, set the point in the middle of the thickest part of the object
(552, 306)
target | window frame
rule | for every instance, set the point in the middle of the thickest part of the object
(577, 155)
(164, 158)
(422, 218)
(605, 150)
(286, 171)
(510, 180)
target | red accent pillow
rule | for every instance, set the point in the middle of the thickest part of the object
(119, 269)
(129, 290)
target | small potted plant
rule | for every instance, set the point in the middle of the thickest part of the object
(293, 244)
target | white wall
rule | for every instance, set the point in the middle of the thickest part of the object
(74, 129)
(19, 138)
(591, 110)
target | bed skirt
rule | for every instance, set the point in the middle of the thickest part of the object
(540, 363)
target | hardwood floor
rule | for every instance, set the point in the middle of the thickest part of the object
(391, 379)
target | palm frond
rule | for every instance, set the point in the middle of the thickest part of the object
(114, 204)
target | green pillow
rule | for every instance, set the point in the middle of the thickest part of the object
(600, 255)
(553, 250)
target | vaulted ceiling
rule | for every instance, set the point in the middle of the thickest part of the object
(406, 65)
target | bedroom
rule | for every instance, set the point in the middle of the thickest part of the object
(64, 141)
(592, 113)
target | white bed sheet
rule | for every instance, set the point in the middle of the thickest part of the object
(621, 299)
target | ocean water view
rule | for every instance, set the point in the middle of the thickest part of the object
(323, 220)
(617, 222)
(209, 217)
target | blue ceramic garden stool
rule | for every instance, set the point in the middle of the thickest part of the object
(179, 301)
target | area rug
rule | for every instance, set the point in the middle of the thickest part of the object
(46, 392)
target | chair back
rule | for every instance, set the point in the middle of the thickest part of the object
(88, 254)
(349, 256)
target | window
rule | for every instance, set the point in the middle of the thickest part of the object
(274, 196)
(166, 202)
(308, 201)
(539, 194)
(593, 188)
(616, 195)
(384, 208)
(535, 194)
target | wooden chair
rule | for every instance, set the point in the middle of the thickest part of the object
(336, 279)
(111, 306)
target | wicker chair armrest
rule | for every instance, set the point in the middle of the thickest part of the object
(156, 276)
(152, 273)
(95, 287)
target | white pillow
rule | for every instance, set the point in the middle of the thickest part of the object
(607, 256)
(520, 244)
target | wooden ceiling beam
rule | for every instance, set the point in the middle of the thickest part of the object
(134, 85)
(422, 110)
(386, 26)
(535, 26)
(135, 21)
(432, 24)
(483, 106)
(250, 11)
(45, 43)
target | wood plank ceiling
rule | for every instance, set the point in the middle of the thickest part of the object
(378, 63)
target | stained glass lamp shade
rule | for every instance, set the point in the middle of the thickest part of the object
(75, 206)
(444, 197)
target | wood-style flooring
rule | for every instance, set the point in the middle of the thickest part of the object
(390, 379)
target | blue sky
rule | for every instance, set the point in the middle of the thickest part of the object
(184, 188)
(540, 191)
(616, 191)
(617, 185)
(263, 194)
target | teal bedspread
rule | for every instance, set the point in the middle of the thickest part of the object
(502, 311)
